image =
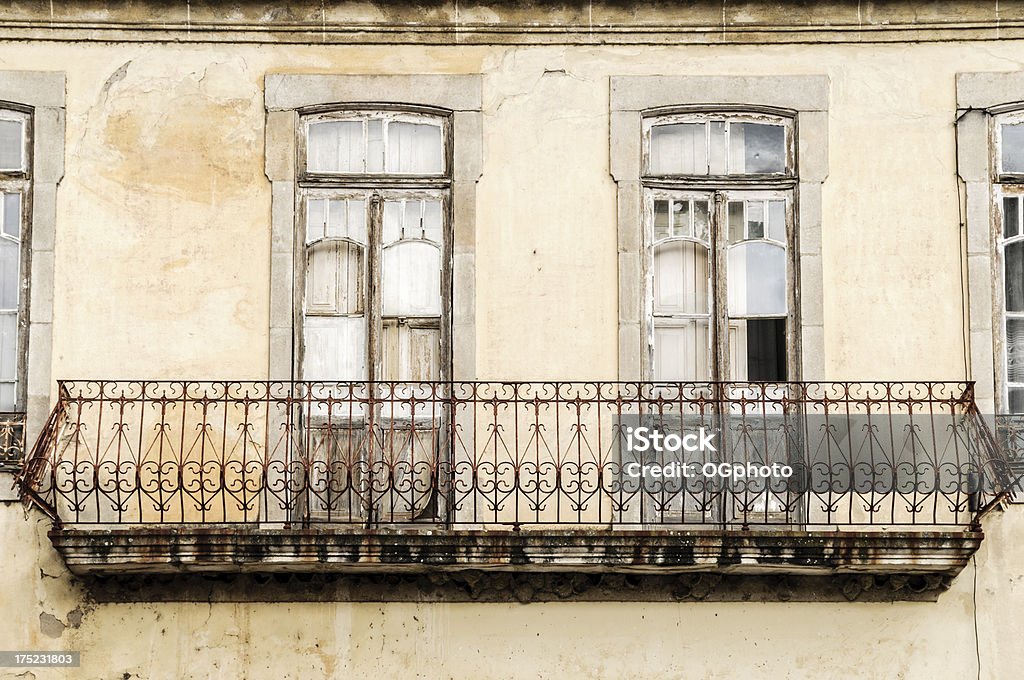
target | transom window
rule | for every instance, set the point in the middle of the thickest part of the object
(717, 145)
(375, 143)
(15, 183)
(375, 203)
(719, 273)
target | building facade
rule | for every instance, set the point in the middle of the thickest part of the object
(327, 331)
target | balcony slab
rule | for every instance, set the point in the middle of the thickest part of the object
(241, 549)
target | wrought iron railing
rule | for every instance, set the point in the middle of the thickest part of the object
(12, 441)
(546, 454)
(1009, 435)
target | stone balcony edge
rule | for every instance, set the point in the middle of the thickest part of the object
(170, 549)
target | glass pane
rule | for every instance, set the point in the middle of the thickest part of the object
(755, 219)
(661, 224)
(717, 154)
(1013, 147)
(335, 348)
(757, 279)
(1011, 216)
(1014, 269)
(8, 346)
(757, 349)
(414, 148)
(316, 217)
(335, 146)
(412, 226)
(736, 233)
(357, 220)
(678, 149)
(1015, 350)
(1016, 400)
(411, 274)
(681, 352)
(12, 215)
(700, 220)
(681, 218)
(777, 220)
(375, 145)
(393, 212)
(11, 145)
(9, 267)
(757, 148)
(432, 221)
(337, 217)
(681, 278)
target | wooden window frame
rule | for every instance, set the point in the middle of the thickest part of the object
(383, 187)
(1004, 185)
(721, 189)
(20, 181)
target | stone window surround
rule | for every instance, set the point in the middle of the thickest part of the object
(286, 95)
(44, 92)
(805, 96)
(979, 96)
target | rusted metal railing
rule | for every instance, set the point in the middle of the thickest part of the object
(12, 440)
(555, 454)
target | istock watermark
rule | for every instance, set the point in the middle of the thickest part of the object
(676, 470)
(669, 451)
(642, 439)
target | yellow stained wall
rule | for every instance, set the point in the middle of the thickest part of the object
(163, 240)
(163, 221)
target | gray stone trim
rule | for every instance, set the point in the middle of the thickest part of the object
(639, 93)
(987, 90)
(807, 96)
(284, 95)
(44, 91)
(976, 95)
(38, 89)
(454, 92)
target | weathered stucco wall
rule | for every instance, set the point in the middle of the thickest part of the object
(45, 608)
(163, 248)
(163, 215)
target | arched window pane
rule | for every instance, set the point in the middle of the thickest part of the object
(415, 148)
(757, 279)
(335, 146)
(678, 149)
(756, 148)
(411, 275)
(681, 278)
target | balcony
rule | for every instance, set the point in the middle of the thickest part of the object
(371, 478)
